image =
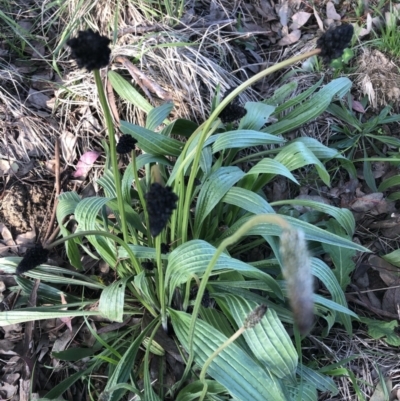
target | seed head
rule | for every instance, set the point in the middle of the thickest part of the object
(126, 144)
(234, 111)
(161, 202)
(296, 268)
(333, 42)
(90, 50)
(164, 248)
(148, 265)
(33, 257)
(255, 316)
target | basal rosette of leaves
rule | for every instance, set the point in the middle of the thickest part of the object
(220, 213)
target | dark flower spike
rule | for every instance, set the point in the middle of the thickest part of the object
(161, 202)
(164, 248)
(33, 257)
(333, 42)
(126, 144)
(148, 265)
(90, 50)
(233, 111)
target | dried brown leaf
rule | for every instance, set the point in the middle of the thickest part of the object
(367, 202)
(299, 19)
(319, 20)
(293, 37)
(331, 11)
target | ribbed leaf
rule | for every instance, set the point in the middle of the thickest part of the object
(151, 142)
(268, 340)
(50, 274)
(257, 115)
(343, 216)
(157, 115)
(312, 233)
(194, 256)
(312, 107)
(86, 214)
(111, 303)
(233, 368)
(318, 380)
(389, 182)
(212, 191)
(46, 293)
(67, 203)
(193, 390)
(273, 167)
(22, 316)
(303, 392)
(281, 93)
(393, 257)
(123, 370)
(247, 200)
(243, 139)
(296, 155)
(325, 274)
(128, 92)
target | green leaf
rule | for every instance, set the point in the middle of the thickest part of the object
(128, 92)
(86, 214)
(312, 233)
(389, 182)
(59, 389)
(312, 107)
(268, 340)
(296, 155)
(343, 216)
(22, 316)
(157, 115)
(318, 380)
(380, 329)
(76, 354)
(281, 94)
(123, 370)
(243, 138)
(213, 190)
(247, 200)
(180, 127)
(151, 142)
(342, 258)
(256, 117)
(193, 390)
(45, 292)
(273, 167)
(326, 275)
(393, 257)
(233, 368)
(193, 257)
(111, 303)
(66, 205)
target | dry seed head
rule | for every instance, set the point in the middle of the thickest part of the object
(255, 316)
(296, 269)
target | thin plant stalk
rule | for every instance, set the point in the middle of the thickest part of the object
(160, 284)
(205, 127)
(141, 197)
(252, 222)
(207, 363)
(113, 152)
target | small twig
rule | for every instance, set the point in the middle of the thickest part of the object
(111, 101)
(57, 187)
(141, 79)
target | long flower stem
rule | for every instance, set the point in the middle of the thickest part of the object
(207, 363)
(160, 282)
(113, 152)
(207, 124)
(142, 200)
